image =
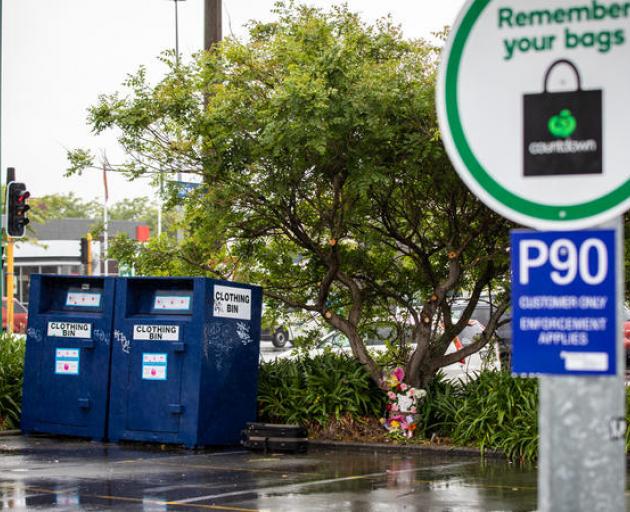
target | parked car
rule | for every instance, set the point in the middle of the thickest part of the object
(482, 313)
(20, 316)
(279, 336)
(465, 369)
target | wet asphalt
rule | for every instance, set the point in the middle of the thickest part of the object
(40, 473)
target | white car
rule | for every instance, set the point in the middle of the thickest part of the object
(485, 359)
(464, 370)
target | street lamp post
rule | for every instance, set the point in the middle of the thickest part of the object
(161, 179)
(176, 30)
(179, 174)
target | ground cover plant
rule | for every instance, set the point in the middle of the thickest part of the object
(335, 397)
(317, 390)
(11, 372)
(493, 412)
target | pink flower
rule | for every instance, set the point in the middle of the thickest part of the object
(411, 391)
(399, 373)
(391, 395)
(413, 410)
(403, 387)
(394, 407)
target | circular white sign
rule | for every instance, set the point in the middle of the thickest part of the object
(534, 108)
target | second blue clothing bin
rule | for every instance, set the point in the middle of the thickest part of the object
(184, 360)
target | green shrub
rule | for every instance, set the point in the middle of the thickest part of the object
(317, 389)
(11, 371)
(495, 411)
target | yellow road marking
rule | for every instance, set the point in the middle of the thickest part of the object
(223, 468)
(225, 508)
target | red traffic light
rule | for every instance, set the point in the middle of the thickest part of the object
(17, 208)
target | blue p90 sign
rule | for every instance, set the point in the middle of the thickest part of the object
(563, 302)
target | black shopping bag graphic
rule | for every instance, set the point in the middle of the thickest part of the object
(562, 131)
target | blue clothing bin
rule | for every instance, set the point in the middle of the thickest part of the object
(66, 367)
(184, 360)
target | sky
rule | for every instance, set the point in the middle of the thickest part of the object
(58, 56)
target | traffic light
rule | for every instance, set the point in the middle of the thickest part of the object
(84, 251)
(17, 209)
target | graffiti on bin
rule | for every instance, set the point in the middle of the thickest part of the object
(100, 335)
(35, 334)
(125, 344)
(242, 331)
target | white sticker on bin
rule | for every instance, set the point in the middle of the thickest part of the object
(83, 299)
(230, 302)
(172, 303)
(67, 361)
(154, 366)
(70, 330)
(156, 332)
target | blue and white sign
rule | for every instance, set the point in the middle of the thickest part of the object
(154, 366)
(563, 302)
(67, 361)
(83, 299)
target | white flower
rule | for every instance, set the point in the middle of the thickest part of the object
(405, 402)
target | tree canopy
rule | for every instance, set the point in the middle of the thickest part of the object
(324, 178)
(63, 206)
(70, 206)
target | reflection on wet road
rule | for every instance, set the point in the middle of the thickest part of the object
(40, 473)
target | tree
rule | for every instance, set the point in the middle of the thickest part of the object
(324, 178)
(62, 206)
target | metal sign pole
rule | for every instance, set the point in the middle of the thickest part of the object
(582, 461)
(10, 284)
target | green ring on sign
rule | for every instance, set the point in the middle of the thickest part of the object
(483, 178)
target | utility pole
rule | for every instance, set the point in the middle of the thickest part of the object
(213, 32)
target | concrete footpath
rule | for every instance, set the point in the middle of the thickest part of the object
(40, 473)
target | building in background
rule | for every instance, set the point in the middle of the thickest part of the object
(55, 248)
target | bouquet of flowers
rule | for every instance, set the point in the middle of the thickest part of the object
(401, 417)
